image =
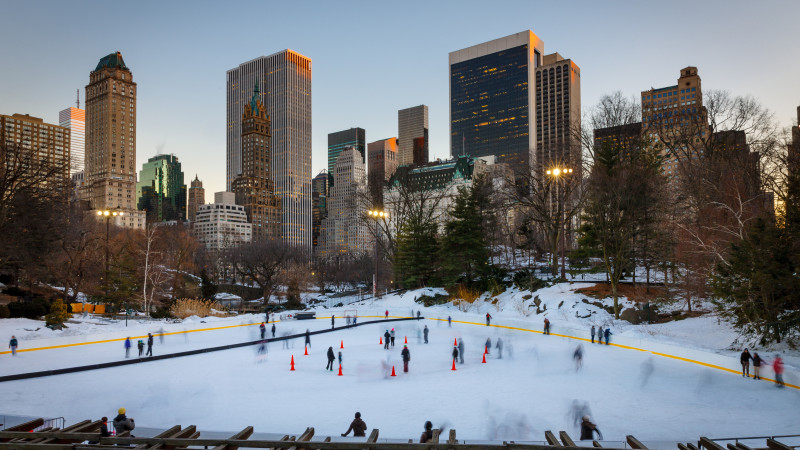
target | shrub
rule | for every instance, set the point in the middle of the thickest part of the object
(58, 314)
(187, 307)
(33, 309)
(464, 297)
(526, 280)
(4, 312)
(437, 299)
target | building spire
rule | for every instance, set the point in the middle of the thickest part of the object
(78, 98)
(254, 100)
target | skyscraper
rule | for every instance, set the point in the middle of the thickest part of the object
(492, 105)
(42, 148)
(558, 114)
(412, 135)
(75, 120)
(110, 175)
(354, 137)
(254, 188)
(319, 205)
(344, 232)
(197, 197)
(161, 190)
(382, 158)
(285, 78)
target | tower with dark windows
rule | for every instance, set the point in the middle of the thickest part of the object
(254, 187)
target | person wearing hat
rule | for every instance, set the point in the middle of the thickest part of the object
(122, 423)
(392, 337)
(455, 353)
(386, 337)
(358, 426)
(406, 357)
(588, 429)
(140, 344)
(12, 344)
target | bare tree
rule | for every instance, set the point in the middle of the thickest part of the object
(261, 263)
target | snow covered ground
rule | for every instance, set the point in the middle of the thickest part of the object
(531, 389)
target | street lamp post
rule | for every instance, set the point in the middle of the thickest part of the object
(376, 214)
(557, 173)
(108, 214)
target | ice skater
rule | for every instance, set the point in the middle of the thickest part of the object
(358, 427)
(333, 321)
(263, 329)
(607, 333)
(308, 338)
(499, 347)
(392, 336)
(161, 336)
(127, 347)
(386, 339)
(425, 333)
(488, 319)
(449, 321)
(386, 315)
(340, 359)
(140, 344)
(455, 353)
(777, 366)
(647, 371)
(592, 334)
(600, 335)
(757, 363)
(546, 325)
(588, 429)
(149, 344)
(578, 357)
(12, 344)
(406, 357)
(460, 351)
(331, 359)
(745, 358)
(273, 329)
(488, 345)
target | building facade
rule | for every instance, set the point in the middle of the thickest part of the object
(492, 103)
(382, 161)
(161, 191)
(412, 135)
(558, 114)
(344, 233)
(354, 137)
(74, 119)
(110, 174)
(43, 147)
(254, 188)
(319, 205)
(197, 197)
(222, 224)
(285, 79)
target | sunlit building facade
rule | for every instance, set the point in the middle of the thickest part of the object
(412, 135)
(338, 141)
(75, 120)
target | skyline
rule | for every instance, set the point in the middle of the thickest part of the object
(179, 57)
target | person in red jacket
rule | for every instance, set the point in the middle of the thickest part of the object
(777, 366)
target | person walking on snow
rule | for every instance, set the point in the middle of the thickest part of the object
(607, 333)
(273, 329)
(263, 329)
(358, 427)
(386, 338)
(12, 344)
(127, 347)
(777, 366)
(546, 326)
(425, 333)
(149, 344)
(499, 348)
(392, 337)
(757, 363)
(745, 358)
(488, 318)
(592, 334)
(140, 344)
(122, 423)
(406, 357)
(331, 359)
(588, 429)
(308, 338)
(461, 351)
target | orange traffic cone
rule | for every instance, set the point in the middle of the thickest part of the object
(484, 358)
(406, 340)
(292, 363)
(342, 346)
(393, 374)
(455, 341)
(340, 370)
(306, 352)
(380, 341)
(454, 365)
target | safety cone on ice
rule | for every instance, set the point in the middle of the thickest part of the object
(292, 364)
(393, 374)
(380, 341)
(306, 352)
(484, 358)
(406, 340)
(340, 370)
(455, 341)
(342, 346)
(454, 365)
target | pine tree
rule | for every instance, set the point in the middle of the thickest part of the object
(464, 250)
(416, 263)
(58, 314)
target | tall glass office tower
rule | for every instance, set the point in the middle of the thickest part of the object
(285, 80)
(492, 100)
(354, 137)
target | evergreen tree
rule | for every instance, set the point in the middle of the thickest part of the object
(417, 246)
(58, 314)
(464, 250)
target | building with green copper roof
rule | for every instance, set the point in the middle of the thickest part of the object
(161, 190)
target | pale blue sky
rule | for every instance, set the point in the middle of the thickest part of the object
(371, 58)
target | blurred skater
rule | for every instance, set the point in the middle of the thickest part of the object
(546, 325)
(777, 366)
(387, 314)
(161, 336)
(488, 345)
(331, 359)
(358, 427)
(273, 329)
(418, 315)
(607, 333)
(386, 339)
(263, 329)
(340, 359)
(600, 335)
(308, 338)
(333, 321)
(127, 347)
(449, 321)
(392, 337)
(757, 363)
(12, 344)
(455, 353)
(460, 351)
(427, 435)
(488, 318)
(140, 344)
(406, 357)
(647, 370)
(149, 344)
(425, 333)
(578, 357)
(499, 347)
(592, 334)
(588, 429)
(745, 358)
(578, 410)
